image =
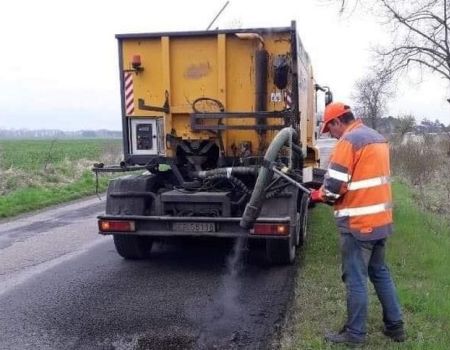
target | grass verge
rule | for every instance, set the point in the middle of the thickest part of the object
(32, 198)
(37, 173)
(419, 258)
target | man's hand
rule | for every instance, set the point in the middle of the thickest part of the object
(316, 196)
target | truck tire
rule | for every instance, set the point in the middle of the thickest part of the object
(298, 228)
(280, 251)
(303, 219)
(133, 247)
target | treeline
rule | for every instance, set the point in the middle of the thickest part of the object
(54, 133)
(407, 124)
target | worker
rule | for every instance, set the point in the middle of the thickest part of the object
(357, 183)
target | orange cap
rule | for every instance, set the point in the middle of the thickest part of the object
(332, 111)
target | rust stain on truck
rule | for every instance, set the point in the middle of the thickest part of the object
(197, 71)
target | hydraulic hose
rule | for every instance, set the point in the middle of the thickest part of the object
(253, 208)
(229, 171)
(234, 180)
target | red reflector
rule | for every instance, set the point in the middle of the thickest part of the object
(116, 225)
(270, 229)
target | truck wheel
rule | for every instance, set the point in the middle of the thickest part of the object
(133, 247)
(298, 228)
(303, 219)
(280, 251)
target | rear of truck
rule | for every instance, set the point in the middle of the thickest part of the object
(221, 125)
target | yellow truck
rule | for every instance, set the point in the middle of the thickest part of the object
(222, 124)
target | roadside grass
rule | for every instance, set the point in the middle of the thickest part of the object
(37, 173)
(419, 258)
(32, 198)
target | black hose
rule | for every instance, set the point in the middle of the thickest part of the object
(231, 179)
(253, 208)
(229, 171)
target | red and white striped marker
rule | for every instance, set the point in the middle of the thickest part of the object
(129, 93)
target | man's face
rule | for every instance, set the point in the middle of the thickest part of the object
(336, 128)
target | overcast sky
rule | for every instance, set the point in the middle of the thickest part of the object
(58, 63)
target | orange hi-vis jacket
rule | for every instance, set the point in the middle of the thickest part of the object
(358, 183)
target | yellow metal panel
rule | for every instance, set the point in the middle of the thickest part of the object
(276, 44)
(193, 66)
(241, 84)
(165, 63)
(311, 137)
(240, 87)
(303, 87)
(220, 67)
(194, 74)
(221, 77)
(148, 84)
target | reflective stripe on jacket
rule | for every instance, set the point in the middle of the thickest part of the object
(358, 183)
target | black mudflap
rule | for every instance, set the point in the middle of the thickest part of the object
(131, 195)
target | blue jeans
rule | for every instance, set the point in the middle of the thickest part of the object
(362, 259)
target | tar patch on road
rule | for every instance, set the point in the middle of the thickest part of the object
(189, 295)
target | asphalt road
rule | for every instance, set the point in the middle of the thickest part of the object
(64, 287)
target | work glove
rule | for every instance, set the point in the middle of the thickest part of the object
(316, 196)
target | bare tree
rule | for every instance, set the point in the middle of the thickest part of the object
(372, 94)
(420, 33)
(405, 124)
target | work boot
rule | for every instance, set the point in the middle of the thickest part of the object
(343, 337)
(396, 334)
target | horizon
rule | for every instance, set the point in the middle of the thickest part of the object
(74, 84)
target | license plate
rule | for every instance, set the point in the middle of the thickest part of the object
(194, 226)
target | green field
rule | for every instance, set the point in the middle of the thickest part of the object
(34, 155)
(419, 258)
(38, 173)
